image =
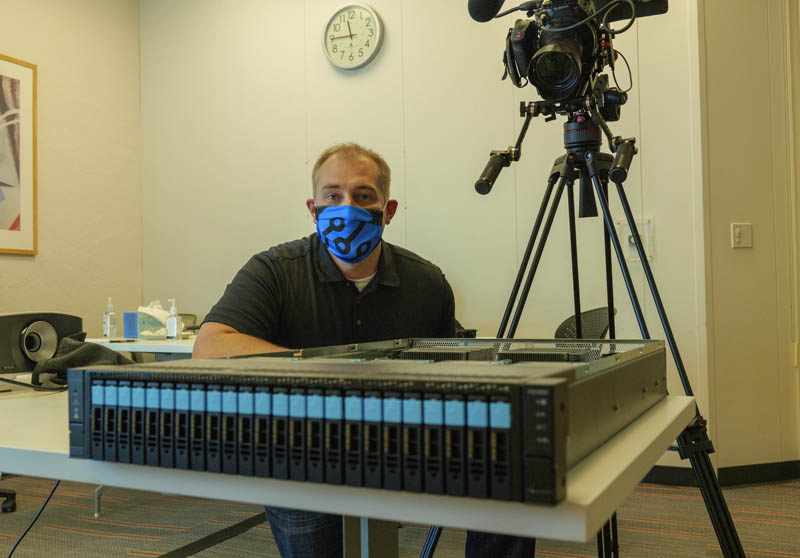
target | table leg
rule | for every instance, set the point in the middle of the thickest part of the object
(369, 538)
(98, 492)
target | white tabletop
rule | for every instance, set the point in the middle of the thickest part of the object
(146, 345)
(34, 441)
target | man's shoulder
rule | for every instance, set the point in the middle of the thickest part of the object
(289, 251)
(406, 258)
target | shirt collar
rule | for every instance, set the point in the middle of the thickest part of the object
(328, 272)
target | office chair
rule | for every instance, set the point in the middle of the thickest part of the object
(9, 498)
(189, 322)
(594, 325)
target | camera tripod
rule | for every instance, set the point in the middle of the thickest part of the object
(584, 161)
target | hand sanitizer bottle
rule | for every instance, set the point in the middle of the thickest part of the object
(174, 322)
(109, 321)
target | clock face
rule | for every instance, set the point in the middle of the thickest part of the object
(352, 37)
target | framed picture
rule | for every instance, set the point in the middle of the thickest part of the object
(17, 156)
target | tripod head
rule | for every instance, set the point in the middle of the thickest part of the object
(587, 116)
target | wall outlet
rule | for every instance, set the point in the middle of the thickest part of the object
(646, 228)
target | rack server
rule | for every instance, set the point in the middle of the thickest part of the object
(461, 423)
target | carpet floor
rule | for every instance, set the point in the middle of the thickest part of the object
(655, 522)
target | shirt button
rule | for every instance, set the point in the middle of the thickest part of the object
(358, 322)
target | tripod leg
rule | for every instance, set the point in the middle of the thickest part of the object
(607, 539)
(626, 274)
(431, 541)
(612, 329)
(573, 248)
(527, 256)
(565, 177)
(662, 314)
(614, 536)
(694, 444)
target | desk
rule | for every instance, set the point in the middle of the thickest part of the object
(164, 349)
(38, 445)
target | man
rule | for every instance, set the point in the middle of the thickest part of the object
(342, 285)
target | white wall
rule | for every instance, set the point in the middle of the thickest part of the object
(87, 53)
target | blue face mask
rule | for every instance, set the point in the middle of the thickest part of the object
(349, 233)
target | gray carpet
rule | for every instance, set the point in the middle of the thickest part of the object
(655, 521)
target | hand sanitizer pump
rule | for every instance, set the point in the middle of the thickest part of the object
(174, 322)
(109, 321)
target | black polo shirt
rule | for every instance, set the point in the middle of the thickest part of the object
(293, 295)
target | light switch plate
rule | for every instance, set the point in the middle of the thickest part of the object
(741, 235)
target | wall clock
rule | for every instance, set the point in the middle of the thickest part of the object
(352, 37)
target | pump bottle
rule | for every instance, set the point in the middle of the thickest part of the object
(109, 321)
(174, 322)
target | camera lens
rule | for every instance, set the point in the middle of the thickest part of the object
(555, 69)
(33, 342)
(39, 341)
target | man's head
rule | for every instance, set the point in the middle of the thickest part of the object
(351, 152)
(348, 174)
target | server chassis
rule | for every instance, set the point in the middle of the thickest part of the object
(350, 415)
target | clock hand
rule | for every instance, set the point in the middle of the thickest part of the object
(343, 37)
(349, 30)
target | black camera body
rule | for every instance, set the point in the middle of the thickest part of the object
(566, 44)
(555, 52)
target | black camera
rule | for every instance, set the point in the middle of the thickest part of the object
(556, 61)
(566, 43)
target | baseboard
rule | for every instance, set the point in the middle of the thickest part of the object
(755, 474)
(727, 476)
(672, 476)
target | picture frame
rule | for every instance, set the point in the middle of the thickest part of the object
(18, 178)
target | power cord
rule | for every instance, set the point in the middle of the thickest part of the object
(31, 386)
(19, 540)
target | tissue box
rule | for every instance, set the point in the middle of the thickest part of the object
(150, 327)
(130, 325)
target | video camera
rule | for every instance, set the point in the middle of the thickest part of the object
(565, 44)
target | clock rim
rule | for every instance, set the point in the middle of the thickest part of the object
(378, 44)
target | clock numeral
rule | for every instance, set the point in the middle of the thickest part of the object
(369, 21)
(366, 45)
(351, 14)
(350, 57)
(336, 28)
(334, 48)
(360, 52)
(371, 31)
(342, 56)
(341, 18)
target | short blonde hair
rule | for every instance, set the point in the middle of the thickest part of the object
(353, 151)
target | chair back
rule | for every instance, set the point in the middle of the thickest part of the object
(594, 325)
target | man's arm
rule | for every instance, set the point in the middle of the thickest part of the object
(216, 340)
